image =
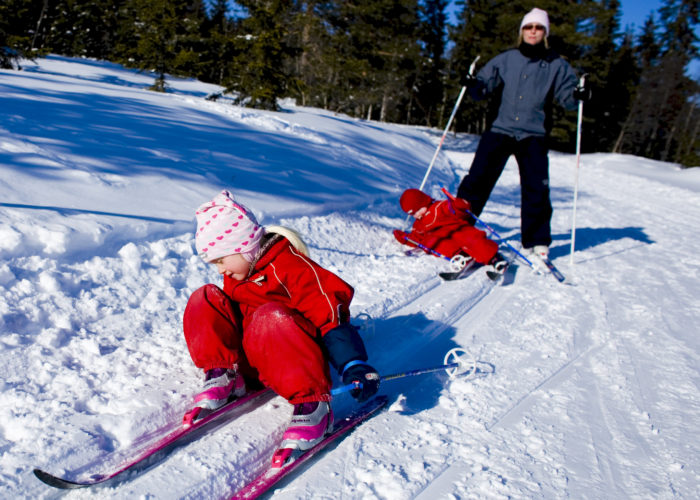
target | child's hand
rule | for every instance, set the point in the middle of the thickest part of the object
(365, 375)
(461, 205)
(400, 236)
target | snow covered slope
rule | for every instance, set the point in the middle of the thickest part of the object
(588, 390)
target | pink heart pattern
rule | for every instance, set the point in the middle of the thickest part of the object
(225, 227)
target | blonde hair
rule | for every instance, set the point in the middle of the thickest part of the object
(292, 236)
(520, 40)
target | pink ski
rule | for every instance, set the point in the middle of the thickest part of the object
(147, 446)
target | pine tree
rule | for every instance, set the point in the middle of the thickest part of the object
(427, 89)
(263, 53)
(17, 23)
(167, 34)
(611, 73)
(661, 122)
(82, 28)
(219, 48)
(191, 38)
(378, 50)
(315, 66)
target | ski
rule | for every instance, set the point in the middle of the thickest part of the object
(552, 268)
(467, 270)
(495, 275)
(151, 444)
(272, 475)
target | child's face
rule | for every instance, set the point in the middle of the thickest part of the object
(420, 212)
(234, 266)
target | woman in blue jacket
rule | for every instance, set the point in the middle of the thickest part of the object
(527, 79)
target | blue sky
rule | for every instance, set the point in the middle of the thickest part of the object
(637, 11)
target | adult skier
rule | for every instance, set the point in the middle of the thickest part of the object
(527, 80)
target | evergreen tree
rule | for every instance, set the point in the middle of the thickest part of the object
(156, 30)
(315, 67)
(167, 36)
(263, 53)
(612, 73)
(377, 43)
(80, 28)
(220, 45)
(427, 90)
(190, 38)
(18, 20)
(660, 124)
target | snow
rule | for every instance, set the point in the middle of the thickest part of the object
(584, 390)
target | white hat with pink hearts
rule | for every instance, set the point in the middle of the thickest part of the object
(225, 227)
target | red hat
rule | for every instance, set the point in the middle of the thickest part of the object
(413, 200)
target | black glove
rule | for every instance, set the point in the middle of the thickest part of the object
(469, 81)
(583, 93)
(363, 373)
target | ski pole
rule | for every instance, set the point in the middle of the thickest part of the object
(582, 82)
(447, 128)
(454, 368)
(501, 240)
(494, 233)
(444, 134)
(449, 123)
(427, 249)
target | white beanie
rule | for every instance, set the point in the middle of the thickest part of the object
(537, 16)
(225, 227)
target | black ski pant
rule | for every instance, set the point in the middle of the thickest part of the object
(533, 164)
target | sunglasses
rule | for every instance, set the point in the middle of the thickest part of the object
(528, 27)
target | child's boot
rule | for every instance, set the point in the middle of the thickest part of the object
(221, 385)
(310, 423)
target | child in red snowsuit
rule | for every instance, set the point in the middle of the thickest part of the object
(445, 227)
(279, 320)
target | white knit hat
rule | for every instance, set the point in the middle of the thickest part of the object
(225, 227)
(537, 16)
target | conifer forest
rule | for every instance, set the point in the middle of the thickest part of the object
(398, 61)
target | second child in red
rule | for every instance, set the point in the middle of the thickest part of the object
(445, 227)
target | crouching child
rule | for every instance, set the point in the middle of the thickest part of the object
(279, 321)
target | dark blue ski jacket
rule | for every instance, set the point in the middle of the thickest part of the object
(526, 87)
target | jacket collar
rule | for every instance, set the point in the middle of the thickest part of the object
(270, 246)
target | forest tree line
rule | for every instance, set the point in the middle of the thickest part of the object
(389, 60)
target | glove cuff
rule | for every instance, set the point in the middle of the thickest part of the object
(350, 364)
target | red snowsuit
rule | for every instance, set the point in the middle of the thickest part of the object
(270, 324)
(446, 229)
